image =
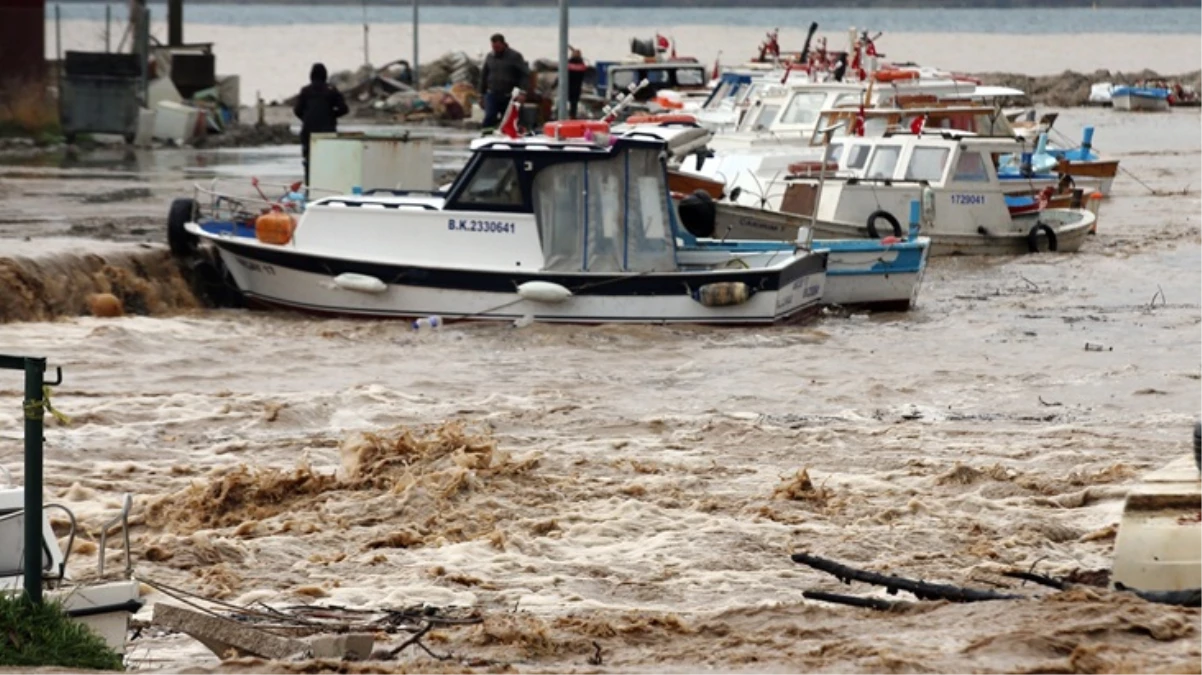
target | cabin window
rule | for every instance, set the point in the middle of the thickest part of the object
(857, 157)
(970, 168)
(495, 183)
(605, 215)
(761, 119)
(927, 164)
(835, 153)
(690, 77)
(621, 79)
(657, 76)
(803, 108)
(884, 161)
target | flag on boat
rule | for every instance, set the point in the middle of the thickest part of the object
(717, 68)
(509, 124)
(918, 124)
(857, 126)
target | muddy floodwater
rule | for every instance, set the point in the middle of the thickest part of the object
(616, 499)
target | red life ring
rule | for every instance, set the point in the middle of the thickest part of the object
(574, 128)
(661, 119)
(895, 75)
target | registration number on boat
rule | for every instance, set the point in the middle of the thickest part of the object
(255, 267)
(968, 199)
(481, 226)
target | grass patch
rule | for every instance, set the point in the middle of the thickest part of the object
(43, 635)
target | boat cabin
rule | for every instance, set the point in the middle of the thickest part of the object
(524, 204)
(686, 77)
(887, 172)
(838, 123)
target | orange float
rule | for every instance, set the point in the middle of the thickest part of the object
(574, 128)
(661, 119)
(275, 227)
(895, 75)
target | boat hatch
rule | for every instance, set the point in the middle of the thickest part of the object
(606, 214)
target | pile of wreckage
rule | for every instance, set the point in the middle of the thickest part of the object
(447, 91)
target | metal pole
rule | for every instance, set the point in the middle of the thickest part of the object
(142, 48)
(108, 26)
(561, 97)
(417, 81)
(175, 22)
(58, 35)
(34, 370)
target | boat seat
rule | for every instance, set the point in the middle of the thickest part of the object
(12, 538)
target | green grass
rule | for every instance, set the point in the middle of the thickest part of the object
(43, 635)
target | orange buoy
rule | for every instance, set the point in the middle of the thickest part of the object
(661, 119)
(574, 128)
(895, 75)
(275, 227)
(105, 305)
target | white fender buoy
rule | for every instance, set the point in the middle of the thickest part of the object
(543, 291)
(360, 282)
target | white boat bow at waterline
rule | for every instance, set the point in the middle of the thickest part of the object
(592, 218)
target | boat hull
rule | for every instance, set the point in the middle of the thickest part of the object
(1136, 103)
(283, 278)
(861, 273)
(1069, 238)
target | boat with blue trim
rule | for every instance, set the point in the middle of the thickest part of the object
(570, 226)
(1140, 99)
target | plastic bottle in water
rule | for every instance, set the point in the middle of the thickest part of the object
(429, 322)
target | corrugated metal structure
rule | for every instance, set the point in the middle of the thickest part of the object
(22, 40)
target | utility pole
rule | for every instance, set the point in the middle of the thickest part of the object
(417, 82)
(561, 98)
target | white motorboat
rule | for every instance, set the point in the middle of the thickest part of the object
(952, 175)
(557, 228)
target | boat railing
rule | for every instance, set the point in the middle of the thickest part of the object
(123, 519)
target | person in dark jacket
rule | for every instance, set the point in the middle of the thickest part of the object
(504, 68)
(318, 106)
(576, 70)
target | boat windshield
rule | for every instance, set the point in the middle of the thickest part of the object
(605, 215)
(803, 108)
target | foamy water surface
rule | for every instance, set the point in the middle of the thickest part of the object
(639, 487)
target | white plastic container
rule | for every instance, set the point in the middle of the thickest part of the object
(341, 161)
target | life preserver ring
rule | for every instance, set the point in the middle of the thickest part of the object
(1033, 237)
(881, 213)
(661, 119)
(574, 128)
(895, 75)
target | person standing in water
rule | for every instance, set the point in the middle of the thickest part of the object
(503, 70)
(318, 107)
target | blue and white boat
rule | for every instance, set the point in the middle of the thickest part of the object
(874, 274)
(1141, 99)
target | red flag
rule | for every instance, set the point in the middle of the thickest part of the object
(918, 124)
(717, 68)
(858, 126)
(661, 42)
(509, 124)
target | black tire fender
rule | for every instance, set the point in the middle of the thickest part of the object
(182, 243)
(1033, 237)
(881, 213)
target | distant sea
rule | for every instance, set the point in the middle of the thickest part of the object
(1024, 21)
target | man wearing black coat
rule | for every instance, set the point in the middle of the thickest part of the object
(576, 70)
(318, 106)
(503, 69)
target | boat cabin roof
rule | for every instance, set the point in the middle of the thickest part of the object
(938, 158)
(978, 120)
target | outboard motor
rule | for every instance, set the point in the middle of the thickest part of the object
(698, 214)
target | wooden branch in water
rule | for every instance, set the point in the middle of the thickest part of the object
(854, 601)
(921, 589)
(1191, 597)
(1037, 578)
